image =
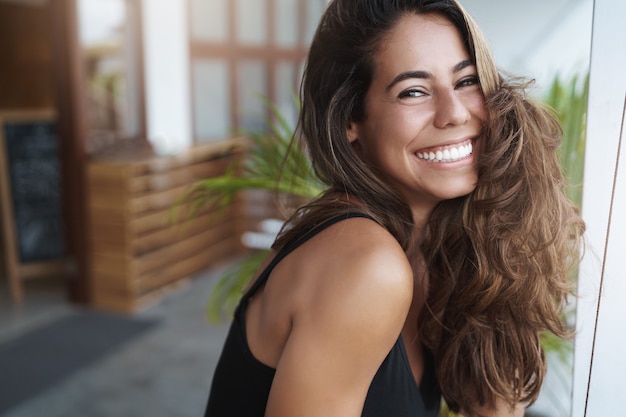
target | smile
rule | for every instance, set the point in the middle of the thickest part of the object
(449, 153)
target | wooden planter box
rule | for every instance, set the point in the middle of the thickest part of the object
(136, 253)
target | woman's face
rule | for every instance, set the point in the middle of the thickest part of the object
(424, 112)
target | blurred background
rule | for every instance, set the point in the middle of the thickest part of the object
(109, 111)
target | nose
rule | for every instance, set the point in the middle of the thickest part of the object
(450, 111)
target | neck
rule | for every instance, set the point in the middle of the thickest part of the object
(420, 215)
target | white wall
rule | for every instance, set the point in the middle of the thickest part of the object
(166, 64)
(536, 38)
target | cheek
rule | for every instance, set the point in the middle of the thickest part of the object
(478, 107)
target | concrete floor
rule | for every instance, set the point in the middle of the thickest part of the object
(164, 372)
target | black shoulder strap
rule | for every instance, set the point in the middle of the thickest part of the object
(291, 246)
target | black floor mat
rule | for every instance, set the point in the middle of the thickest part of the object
(45, 356)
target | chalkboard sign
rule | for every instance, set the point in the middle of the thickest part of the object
(30, 197)
(32, 151)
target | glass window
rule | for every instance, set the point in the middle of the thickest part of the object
(286, 22)
(252, 79)
(251, 17)
(314, 11)
(209, 20)
(110, 48)
(286, 92)
(211, 99)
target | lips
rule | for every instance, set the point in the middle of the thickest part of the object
(449, 153)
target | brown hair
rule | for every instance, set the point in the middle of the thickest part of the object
(498, 258)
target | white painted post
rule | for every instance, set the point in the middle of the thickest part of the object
(600, 347)
(166, 66)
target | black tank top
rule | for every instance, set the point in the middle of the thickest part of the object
(241, 383)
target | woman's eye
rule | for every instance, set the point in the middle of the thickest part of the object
(468, 81)
(412, 93)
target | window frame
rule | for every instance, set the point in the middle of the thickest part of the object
(234, 53)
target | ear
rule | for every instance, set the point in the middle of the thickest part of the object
(353, 132)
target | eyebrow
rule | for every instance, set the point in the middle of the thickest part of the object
(426, 75)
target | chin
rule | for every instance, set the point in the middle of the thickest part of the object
(459, 191)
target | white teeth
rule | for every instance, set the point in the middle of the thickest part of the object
(450, 154)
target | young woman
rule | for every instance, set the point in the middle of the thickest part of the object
(440, 250)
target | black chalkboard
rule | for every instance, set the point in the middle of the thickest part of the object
(32, 152)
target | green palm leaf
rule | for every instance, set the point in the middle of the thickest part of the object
(569, 101)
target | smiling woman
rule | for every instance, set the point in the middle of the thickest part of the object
(440, 249)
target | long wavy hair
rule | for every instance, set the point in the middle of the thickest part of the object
(497, 259)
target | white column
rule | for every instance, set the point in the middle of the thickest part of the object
(600, 348)
(166, 66)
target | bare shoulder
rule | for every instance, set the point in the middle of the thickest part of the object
(356, 265)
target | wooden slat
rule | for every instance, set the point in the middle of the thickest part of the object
(158, 220)
(141, 164)
(205, 152)
(157, 200)
(131, 303)
(132, 295)
(189, 266)
(101, 246)
(149, 222)
(108, 225)
(114, 200)
(114, 233)
(108, 217)
(179, 176)
(171, 253)
(148, 283)
(114, 267)
(175, 233)
(111, 282)
(108, 177)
